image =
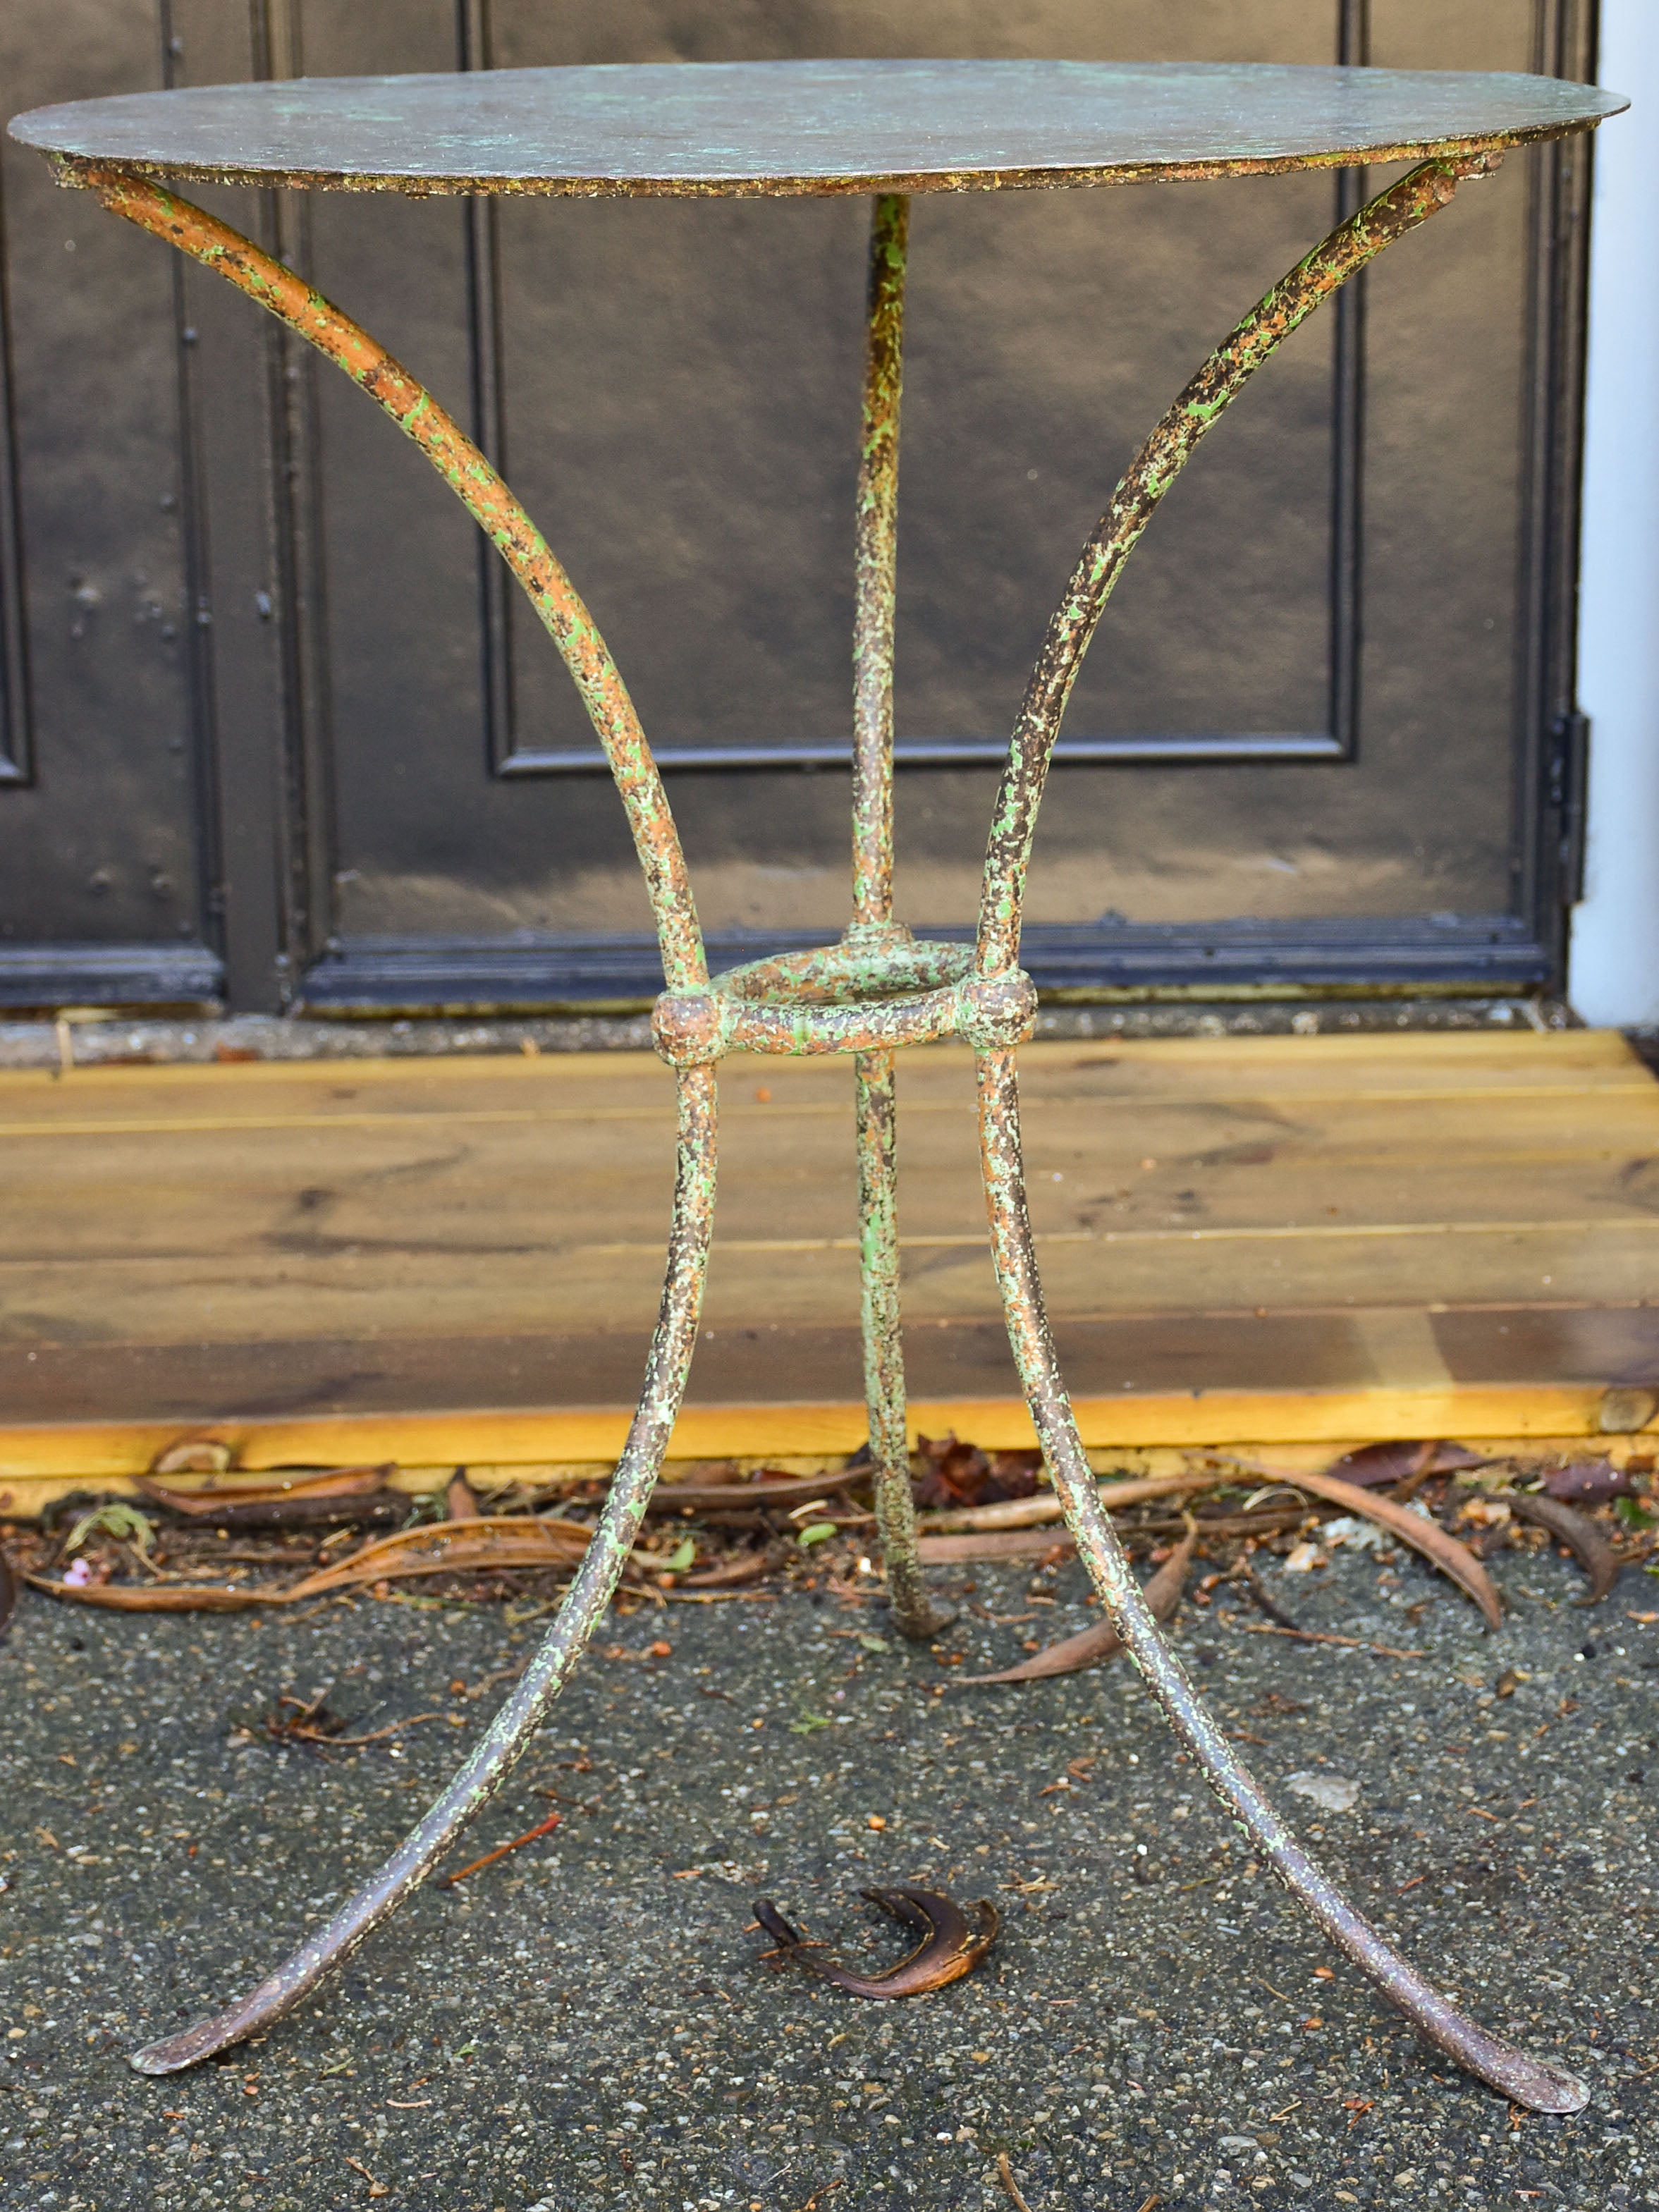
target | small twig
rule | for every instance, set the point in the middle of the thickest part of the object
(1253, 1584)
(574, 1804)
(376, 1735)
(304, 1708)
(471, 1690)
(716, 1596)
(375, 2188)
(543, 1828)
(1317, 1635)
(1422, 1468)
(1008, 2182)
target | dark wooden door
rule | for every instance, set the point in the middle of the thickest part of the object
(278, 733)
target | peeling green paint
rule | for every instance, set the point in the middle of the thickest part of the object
(1532, 2082)
(479, 486)
(1389, 217)
(876, 1106)
(875, 569)
(876, 990)
(584, 1606)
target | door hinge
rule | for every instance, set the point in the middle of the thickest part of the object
(1569, 778)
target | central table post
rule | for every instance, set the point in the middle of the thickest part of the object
(875, 573)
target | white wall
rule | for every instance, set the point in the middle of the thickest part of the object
(1613, 965)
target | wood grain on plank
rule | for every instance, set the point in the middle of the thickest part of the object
(362, 1242)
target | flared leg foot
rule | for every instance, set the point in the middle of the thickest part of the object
(1533, 2083)
(915, 1613)
(584, 1606)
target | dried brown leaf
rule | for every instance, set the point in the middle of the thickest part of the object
(1014, 1474)
(731, 1574)
(1580, 1536)
(157, 1597)
(237, 1502)
(1424, 1535)
(1373, 1465)
(1587, 1482)
(1032, 1512)
(952, 1473)
(673, 1498)
(1089, 1646)
(443, 1547)
(995, 1544)
(453, 1547)
(949, 1949)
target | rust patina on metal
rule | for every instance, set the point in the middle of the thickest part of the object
(502, 1744)
(1533, 2083)
(786, 128)
(874, 932)
(832, 127)
(492, 506)
(1149, 476)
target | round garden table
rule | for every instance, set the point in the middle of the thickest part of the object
(888, 130)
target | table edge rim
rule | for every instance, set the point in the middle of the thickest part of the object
(84, 172)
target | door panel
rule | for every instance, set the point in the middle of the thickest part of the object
(106, 845)
(1319, 740)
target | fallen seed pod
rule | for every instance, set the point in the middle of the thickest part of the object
(949, 1949)
(1577, 1531)
(1089, 1646)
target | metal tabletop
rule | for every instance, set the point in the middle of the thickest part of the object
(692, 129)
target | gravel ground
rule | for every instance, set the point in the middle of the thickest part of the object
(587, 2024)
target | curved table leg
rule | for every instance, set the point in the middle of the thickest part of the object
(1531, 2081)
(913, 1614)
(1351, 246)
(481, 491)
(584, 1603)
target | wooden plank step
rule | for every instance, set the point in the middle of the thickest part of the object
(1333, 1236)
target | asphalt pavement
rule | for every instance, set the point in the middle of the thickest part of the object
(587, 2024)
